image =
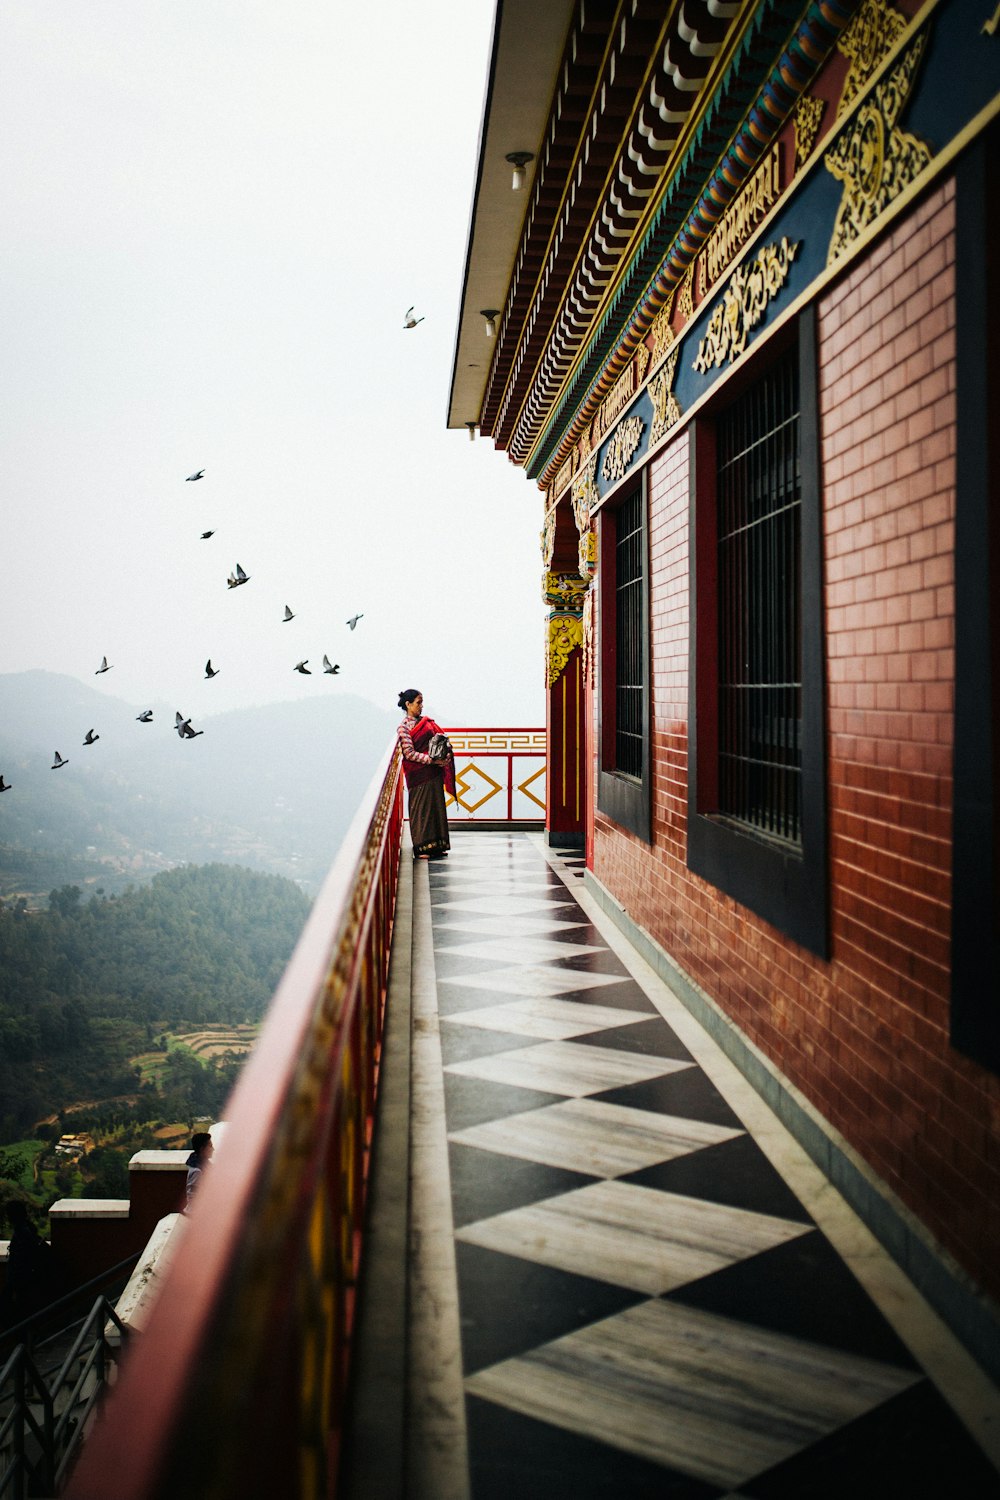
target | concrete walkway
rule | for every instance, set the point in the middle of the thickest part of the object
(598, 1265)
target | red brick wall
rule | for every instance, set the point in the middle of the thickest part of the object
(864, 1036)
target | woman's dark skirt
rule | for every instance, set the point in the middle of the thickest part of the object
(428, 818)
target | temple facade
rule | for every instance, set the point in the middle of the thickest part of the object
(736, 318)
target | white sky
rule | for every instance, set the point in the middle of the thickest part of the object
(214, 215)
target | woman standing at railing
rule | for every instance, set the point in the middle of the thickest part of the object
(426, 778)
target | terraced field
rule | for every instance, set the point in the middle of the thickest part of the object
(209, 1042)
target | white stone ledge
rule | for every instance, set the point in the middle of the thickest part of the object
(90, 1208)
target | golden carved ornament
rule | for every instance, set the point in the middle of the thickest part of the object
(565, 634)
(565, 591)
(621, 449)
(641, 359)
(874, 31)
(808, 115)
(873, 158)
(666, 410)
(588, 640)
(585, 493)
(752, 287)
(548, 537)
(685, 294)
(661, 332)
(588, 556)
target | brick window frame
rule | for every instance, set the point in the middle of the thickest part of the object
(975, 962)
(787, 886)
(622, 797)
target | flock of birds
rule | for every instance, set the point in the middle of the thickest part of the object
(236, 579)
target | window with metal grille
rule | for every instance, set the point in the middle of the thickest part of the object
(759, 488)
(629, 649)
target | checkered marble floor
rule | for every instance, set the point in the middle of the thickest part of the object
(645, 1306)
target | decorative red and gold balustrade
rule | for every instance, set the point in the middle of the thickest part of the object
(499, 776)
(236, 1387)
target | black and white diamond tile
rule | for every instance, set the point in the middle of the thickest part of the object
(631, 1236)
(646, 1307)
(717, 1399)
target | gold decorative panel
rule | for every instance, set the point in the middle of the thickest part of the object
(548, 537)
(585, 493)
(808, 116)
(622, 447)
(588, 556)
(685, 294)
(565, 591)
(661, 332)
(872, 34)
(565, 634)
(666, 410)
(873, 158)
(752, 288)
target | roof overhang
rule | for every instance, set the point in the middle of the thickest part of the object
(528, 44)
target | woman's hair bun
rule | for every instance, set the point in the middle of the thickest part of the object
(407, 696)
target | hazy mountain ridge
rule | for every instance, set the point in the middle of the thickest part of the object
(271, 787)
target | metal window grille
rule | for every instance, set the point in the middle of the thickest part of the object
(759, 581)
(629, 674)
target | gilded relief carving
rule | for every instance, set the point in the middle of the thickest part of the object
(808, 115)
(872, 34)
(666, 410)
(548, 537)
(685, 294)
(873, 158)
(621, 449)
(641, 365)
(565, 634)
(588, 639)
(585, 493)
(565, 591)
(662, 333)
(588, 556)
(752, 287)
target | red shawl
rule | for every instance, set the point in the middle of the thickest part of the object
(415, 771)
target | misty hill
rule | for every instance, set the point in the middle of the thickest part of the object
(272, 788)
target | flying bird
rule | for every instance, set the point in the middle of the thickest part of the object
(354, 620)
(200, 475)
(146, 717)
(235, 579)
(301, 667)
(91, 737)
(289, 615)
(409, 321)
(205, 535)
(59, 761)
(211, 671)
(103, 667)
(4, 785)
(328, 666)
(184, 730)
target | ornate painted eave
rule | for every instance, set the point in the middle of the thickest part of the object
(527, 68)
(677, 232)
(644, 100)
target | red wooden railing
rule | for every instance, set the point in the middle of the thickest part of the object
(236, 1387)
(500, 776)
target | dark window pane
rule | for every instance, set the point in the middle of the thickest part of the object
(628, 648)
(760, 671)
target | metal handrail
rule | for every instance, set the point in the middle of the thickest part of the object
(237, 1385)
(43, 1419)
(49, 1316)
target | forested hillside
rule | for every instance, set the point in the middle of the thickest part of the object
(89, 984)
